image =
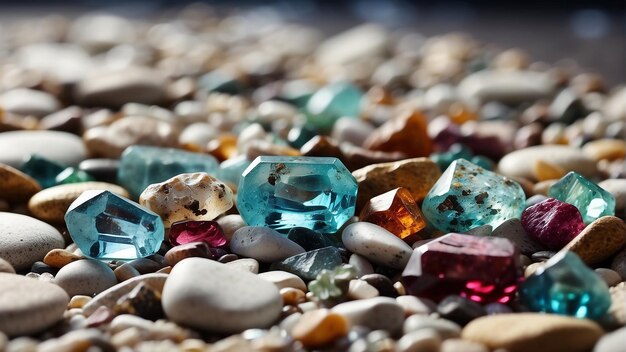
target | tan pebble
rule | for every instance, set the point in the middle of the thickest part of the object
(609, 149)
(319, 328)
(617, 311)
(58, 258)
(425, 340)
(52, 203)
(23, 344)
(413, 305)
(399, 288)
(543, 170)
(600, 240)
(534, 332)
(125, 272)
(611, 277)
(532, 268)
(187, 250)
(284, 279)
(458, 345)
(542, 187)
(165, 270)
(193, 345)
(230, 224)
(127, 337)
(78, 301)
(291, 296)
(308, 306)
(16, 186)
(359, 289)
(191, 196)
(6, 267)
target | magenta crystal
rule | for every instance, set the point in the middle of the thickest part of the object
(552, 223)
(483, 269)
(208, 232)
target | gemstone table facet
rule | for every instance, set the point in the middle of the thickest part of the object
(285, 192)
(396, 211)
(209, 232)
(591, 200)
(141, 166)
(552, 223)
(565, 285)
(467, 196)
(106, 226)
(482, 269)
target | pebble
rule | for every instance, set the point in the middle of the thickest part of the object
(383, 284)
(415, 305)
(231, 300)
(16, 186)
(230, 223)
(109, 297)
(362, 265)
(6, 267)
(246, 264)
(619, 263)
(359, 289)
(617, 187)
(605, 149)
(417, 175)
(125, 272)
(188, 250)
(612, 342)
(263, 244)
(25, 240)
(446, 329)
(28, 306)
(78, 301)
(609, 276)
(62, 147)
(52, 203)
(600, 240)
(513, 230)
(319, 328)
(29, 102)
(460, 310)
(510, 87)
(376, 244)
(379, 313)
(534, 332)
(419, 341)
(460, 345)
(58, 258)
(520, 163)
(283, 279)
(85, 277)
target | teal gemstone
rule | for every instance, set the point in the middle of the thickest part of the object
(141, 166)
(43, 170)
(72, 175)
(565, 285)
(106, 226)
(299, 135)
(284, 192)
(591, 200)
(231, 169)
(467, 196)
(456, 151)
(333, 101)
(309, 264)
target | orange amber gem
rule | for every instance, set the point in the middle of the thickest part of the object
(223, 147)
(396, 211)
(406, 133)
(460, 114)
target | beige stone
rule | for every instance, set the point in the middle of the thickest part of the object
(600, 240)
(16, 186)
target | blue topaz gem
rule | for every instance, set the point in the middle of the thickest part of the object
(565, 285)
(106, 226)
(591, 200)
(284, 192)
(467, 196)
(141, 166)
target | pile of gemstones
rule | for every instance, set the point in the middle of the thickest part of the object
(210, 182)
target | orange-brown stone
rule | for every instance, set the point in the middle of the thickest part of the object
(405, 133)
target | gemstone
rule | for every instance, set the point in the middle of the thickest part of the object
(209, 232)
(284, 192)
(309, 239)
(309, 264)
(468, 196)
(41, 169)
(106, 226)
(565, 285)
(552, 223)
(404, 133)
(72, 175)
(231, 169)
(482, 269)
(591, 200)
(140, 166)
(456, 151)
(194, 196)
(331, 102)
(396, 211)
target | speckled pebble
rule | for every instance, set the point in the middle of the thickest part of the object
(600, 240)
(85, 277)
(376, 244)
(263, 244)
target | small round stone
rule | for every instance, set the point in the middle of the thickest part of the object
(283, 279)
(58, 258)
(16, 186)
(85, 277)
(379, 313)
(125, 271)
(78, 301)
(6, 267)
(421, 340)
(445, 328)
(263, 244)
(376, 244)
(230, 224)
(319, 328)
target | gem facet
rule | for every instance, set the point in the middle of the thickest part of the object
(107, 226)
(552, 223)
(591, 200)
(209, 232)
(482, 269)
(285, 192)
(140, 166)
(468, 196)
(565, 285)
(333, 101)
(395, 211)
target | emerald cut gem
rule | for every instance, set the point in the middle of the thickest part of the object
(284, 192)
(106, 226)
(591, 200)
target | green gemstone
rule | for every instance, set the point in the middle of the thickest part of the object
(43, 170)
(331, 102)
(72, 175)
(591, 200)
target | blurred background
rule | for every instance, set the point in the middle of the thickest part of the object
(591, 33)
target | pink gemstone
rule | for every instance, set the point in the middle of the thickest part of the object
(483, 269)
(208, 232)
(552, 223)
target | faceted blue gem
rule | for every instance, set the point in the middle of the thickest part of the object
(565, 285)
(284, 192)
(141, 166)
(43, 170)
(231, 169)
(106, 226)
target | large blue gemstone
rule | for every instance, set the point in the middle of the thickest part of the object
(141, 166)
(285, 192)
(106, 226)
